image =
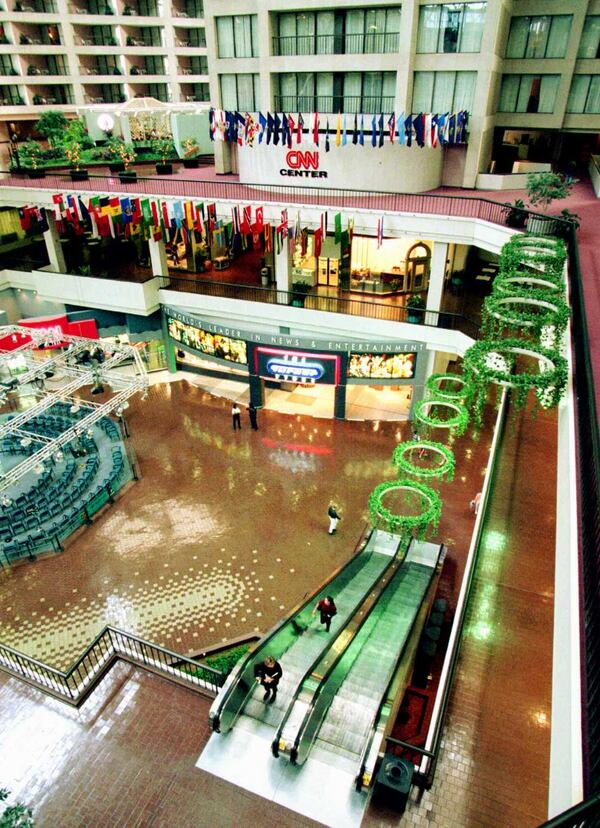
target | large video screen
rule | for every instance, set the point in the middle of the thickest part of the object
(216, 345)
(382, 366)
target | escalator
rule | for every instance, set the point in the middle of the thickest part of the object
(337, 709)
(300, 642)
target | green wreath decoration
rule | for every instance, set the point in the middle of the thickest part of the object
(406, 525)
(522, 279)
(434, 382)
(457, 423)
(492, 361)
(522, 311)
(401, 459)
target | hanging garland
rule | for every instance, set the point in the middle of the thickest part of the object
(492, 362)
(526, 281)
(547, 255)
(403, 453)
(527, 313)
(406, 525)
(434, 382)
(457, 422)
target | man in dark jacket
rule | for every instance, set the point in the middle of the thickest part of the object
(268, 674)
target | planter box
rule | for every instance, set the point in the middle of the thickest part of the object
(415, 316)
(36, 173)
(117, 166)
(191, 163)
(164, 169)
(79, 175)
(128, 175)
(542, 226)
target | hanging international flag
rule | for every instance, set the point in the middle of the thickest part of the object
(262, 125)
(268, 238)
(434, 130)
(350, 229)
(286, 137)
(284, 222)
(338, 227)
(199, 223)
(374, 131)
(299, 128)
(212, 217)
(323, 224)
(427, 129)
(318, 241)
(355, 131)
(178, 213)
(270, 126)
(392, 127)
(235, 213)
(408, 130)
(315, 129)
(419, 127)
(400, 128)
(344, 135)
(291, 128)
(276, 128)
(189, 215)
(24, 217)
(381, 135)
(126, 212)
(338, 131)
(327, 144)
(43, 220)
(246, 223)
(361, 139)
(259, 222)
(380, 232)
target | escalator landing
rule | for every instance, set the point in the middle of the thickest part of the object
(243, 757)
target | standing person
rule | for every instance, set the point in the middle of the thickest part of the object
(328, 609)
(334, 517)
(235, 415)
(252, 415)
(475, 503)
(268, 674)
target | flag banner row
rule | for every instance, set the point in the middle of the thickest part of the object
(124, 216)
(422, 129)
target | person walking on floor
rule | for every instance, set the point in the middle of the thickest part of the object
(235, 415)
(252, 415)
(268, 674)
(334, 517)
(328, 609)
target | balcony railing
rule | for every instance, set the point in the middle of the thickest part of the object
(75, 684)
(335, 103)
(327, 304)
(350, 44)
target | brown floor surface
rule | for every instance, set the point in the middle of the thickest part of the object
(127, 757)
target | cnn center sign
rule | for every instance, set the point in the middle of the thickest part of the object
(302, 165)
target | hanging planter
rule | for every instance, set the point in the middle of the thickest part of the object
(456, 421)
(418, 525)
(493, 362)
(448, 387)
(518, 312)
(440, 458)
(538, 254)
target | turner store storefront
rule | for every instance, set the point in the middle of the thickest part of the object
(299, 375)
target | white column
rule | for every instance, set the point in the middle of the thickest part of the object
(436, 281)
(54, 247)
(222, 157)
(280, 263)
(158, 258)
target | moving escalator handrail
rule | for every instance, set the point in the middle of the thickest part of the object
(246, 664)
(310, 672)
(384, 696)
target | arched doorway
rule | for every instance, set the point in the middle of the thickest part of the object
(418, 265)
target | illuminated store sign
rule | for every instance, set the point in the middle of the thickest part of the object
(297, 366)
(303, 165)
(382, 366)
(222, 347)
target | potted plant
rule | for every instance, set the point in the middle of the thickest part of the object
(190, 154)
(542, 189)
(563, 231)
(299, 291)
(516, 215)
(114, 147)
(127, 155)
(416, 309)
(163, 147)
(31, 154)
(73, 152)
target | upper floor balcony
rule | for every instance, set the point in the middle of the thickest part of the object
(190, 38)
(31, 34)
(330, 44)
(344, 104)
(44, 65)
(95, 36)
(35, 6)
(141, 8)
(143, 36)
(190, 9)
(96, 7)
(192, 65)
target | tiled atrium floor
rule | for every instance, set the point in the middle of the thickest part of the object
(247, 510)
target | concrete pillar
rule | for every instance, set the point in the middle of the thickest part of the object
(158, 258)
(281, 265)
(436, 281)
(222, 157)
(54, 247)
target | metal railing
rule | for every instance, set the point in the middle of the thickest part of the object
(453, 206)
(584, 815)
(328, 304)
(350, 104)
(372, 43)
(588, 454)
(77, 682)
